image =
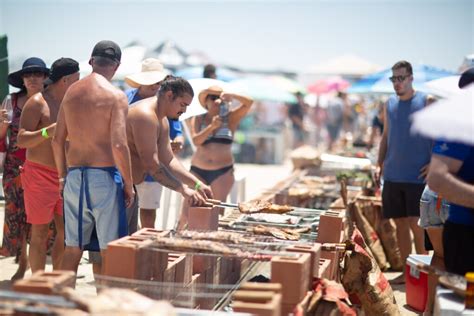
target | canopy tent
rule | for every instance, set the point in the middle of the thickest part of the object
(442, 87)
(196, 72)
(379, 82)
(171, 55)
(262, 89)
(345, 65)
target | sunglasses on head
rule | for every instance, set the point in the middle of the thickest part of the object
(213, 97)
(398, 78)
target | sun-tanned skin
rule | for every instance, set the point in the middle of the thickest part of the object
(41, 111)
(150, 148)
(93, 119)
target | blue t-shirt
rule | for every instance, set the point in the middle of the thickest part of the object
(406, 153)
(175, 125)
(459, 214)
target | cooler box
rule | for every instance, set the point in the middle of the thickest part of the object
(416, 282)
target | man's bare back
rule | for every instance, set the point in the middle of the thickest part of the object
(90, 106)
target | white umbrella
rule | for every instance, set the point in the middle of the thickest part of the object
(198, 85)
(451, 119)
(442, 87)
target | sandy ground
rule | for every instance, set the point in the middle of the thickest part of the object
(258, 178)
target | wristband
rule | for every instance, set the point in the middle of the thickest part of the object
(197, 186)
(44, 132)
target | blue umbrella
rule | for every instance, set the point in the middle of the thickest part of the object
(262, 88)
(196, 72)
(379, 82)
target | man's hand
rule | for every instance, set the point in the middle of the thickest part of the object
(4, 119)
(129, 195)
(424, 172)
(176, 146)
(193, 197)
(205, 191)
(61, 186)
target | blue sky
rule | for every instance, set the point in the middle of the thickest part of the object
(290, 35)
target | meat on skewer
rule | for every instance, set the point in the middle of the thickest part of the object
(284, 234)
(259, 206)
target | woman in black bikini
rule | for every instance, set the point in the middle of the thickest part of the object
(212, 133)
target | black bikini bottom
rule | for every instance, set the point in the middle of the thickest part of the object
(210, 175)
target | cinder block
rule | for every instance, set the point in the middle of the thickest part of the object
(132, 257)
(151, 233)
(329, 230)
(203, 218)
(332, 255)
(257, 303)
(257, 286)
(324, 269)
(48, 283)
(315, 251)
(292, 272)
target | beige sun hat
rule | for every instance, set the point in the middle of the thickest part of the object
(212, 90)
(152, 72)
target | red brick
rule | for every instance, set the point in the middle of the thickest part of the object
(292, 272)
(151, 233)
(315, 251)
(203, 218)
(324, 269)
(257, 303)
(48, 283)
(329, 229)
(132, 257)
(332, 255)
(257, 286)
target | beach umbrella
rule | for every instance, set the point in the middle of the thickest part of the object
(327, 85)
(262, 89)
(288, 84)
(443, 87)
(198, 85)
(345, 65)
(196, 72)
(380, 83)
(451, 119)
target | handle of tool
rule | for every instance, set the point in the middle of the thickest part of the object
(213, 201)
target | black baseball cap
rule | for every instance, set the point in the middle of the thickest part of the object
(466, 78)
(60, 68)
(107, 49)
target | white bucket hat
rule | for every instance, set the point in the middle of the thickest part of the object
(152, 72)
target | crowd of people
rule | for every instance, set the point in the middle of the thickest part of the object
(82, 156)
(85, 161)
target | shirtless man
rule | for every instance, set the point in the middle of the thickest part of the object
(43, 201)
(93, 119)
(148, 139)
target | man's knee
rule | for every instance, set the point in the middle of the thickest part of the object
(401, 221)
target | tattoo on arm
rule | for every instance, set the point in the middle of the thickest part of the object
(166, 178)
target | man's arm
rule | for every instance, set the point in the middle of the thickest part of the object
(118, 138)
(59, 143)
(442, 179)
(29, 135)
(383, 145)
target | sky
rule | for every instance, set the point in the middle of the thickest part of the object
(266, 35)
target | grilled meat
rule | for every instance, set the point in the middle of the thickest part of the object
(259, 206)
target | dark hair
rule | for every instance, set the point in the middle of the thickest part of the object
(177, 85)
(209, 70)
(102, 62)
(403, 64)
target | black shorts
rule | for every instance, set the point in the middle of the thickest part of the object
(401, 199)
(458, 244)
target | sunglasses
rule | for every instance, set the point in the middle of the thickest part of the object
(36, 74)
(213, 97)
(398, 78)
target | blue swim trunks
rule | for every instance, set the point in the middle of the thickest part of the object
(94, 205)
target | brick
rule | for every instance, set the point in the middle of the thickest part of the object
(315, 251)
(332, 255)
(292, 272)
(203, 218)
(48, 283)
(329, 229)
(132, 257)
(183, 267)
(257, 286)
(151, 233)
(324, 269)
(202, 263)
(257, 303)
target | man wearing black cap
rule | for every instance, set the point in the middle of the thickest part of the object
(42, 198)
(99, 181)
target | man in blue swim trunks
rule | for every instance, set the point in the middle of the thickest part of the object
(98, 183)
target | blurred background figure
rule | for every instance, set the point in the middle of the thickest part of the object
(334, 119)
(296, 114)
(209, 71)
(376, 125)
